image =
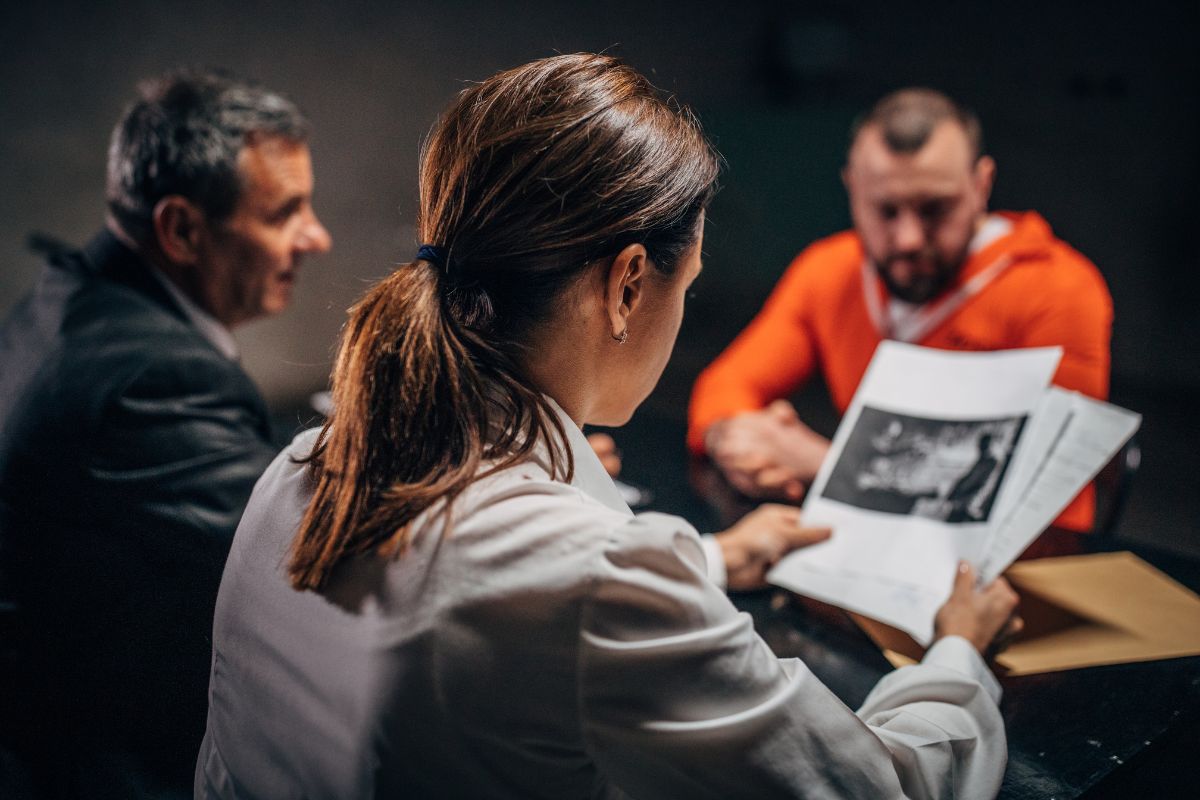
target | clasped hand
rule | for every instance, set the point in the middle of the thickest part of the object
(767, 453)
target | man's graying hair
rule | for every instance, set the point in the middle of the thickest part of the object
(907, 118)
(183, 136)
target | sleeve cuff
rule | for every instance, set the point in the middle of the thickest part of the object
(714, 559)
(956, 653)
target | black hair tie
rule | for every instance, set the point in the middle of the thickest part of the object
(438, 256)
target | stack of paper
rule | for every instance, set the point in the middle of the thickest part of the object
(945, 456)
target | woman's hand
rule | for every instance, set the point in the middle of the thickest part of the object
(984, 617)
(760, 539)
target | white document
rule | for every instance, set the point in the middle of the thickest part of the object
(944, 456)
(1091, 435)
(907, 606)
(895, 470)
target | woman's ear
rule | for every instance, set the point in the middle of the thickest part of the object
(625, 287)
(178, 225)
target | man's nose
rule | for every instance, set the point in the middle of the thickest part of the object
(313, 237)
(908, 233)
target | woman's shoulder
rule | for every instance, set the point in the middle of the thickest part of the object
(302, 443)
(530, 484)
(524, 498)
(281, 494)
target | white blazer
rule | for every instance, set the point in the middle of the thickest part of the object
(551, 645)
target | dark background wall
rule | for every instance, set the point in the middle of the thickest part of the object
(1090, 109)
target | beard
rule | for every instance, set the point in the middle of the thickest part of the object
(923, 285)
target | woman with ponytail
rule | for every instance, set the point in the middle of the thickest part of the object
(441, 593)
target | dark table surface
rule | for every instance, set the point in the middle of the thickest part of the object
(1117, 731)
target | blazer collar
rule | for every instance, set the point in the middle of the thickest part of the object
(106, 256)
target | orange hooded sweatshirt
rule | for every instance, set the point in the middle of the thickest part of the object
(817, 317)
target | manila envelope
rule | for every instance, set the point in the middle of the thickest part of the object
(1081, 611)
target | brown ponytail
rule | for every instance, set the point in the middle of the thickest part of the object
(528, 178)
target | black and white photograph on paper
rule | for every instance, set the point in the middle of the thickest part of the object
(939, 469)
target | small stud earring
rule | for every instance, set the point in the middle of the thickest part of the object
(622, 337)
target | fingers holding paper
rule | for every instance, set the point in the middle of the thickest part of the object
(984, 616)
(760, 539)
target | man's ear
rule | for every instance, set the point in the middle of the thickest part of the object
(178, 226)
(985, 177)
(625, 286)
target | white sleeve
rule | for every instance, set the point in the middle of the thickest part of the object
(714, 560)
(679, 697)
(926, 714)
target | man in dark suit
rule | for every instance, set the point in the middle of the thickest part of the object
(130, 438)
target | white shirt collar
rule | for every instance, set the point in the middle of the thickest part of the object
(212, 330)
(590, 475)
(592, 479)
(992, 229)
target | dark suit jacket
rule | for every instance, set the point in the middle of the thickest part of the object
(128, 448)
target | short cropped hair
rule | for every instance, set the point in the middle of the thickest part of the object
(183, 136)
(907, 118)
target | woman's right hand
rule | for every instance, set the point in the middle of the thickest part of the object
(981, 616)
(759, 540)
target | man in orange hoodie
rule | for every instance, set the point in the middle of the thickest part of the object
(926, 263)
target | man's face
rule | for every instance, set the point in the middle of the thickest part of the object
(916, 212)
(250, 260)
